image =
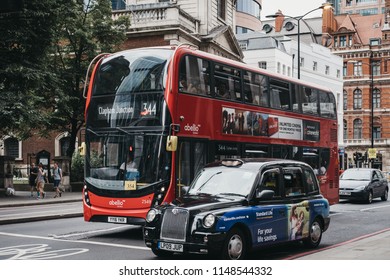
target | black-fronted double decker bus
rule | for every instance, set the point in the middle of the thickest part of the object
(156, 116)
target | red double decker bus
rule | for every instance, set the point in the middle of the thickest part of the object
(156, 116)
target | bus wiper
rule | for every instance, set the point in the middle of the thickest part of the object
(94, 132)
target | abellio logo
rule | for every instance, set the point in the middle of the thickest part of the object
(194, 128)
(118, 202)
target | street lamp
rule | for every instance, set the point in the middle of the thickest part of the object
(298, 19)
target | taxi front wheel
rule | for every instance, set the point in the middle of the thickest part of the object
(234, 247)
(315, 234)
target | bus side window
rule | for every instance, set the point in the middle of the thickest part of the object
(280, 95)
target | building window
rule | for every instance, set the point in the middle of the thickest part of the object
(118, 4)
(278, 68)
(243, 30)
(263, 64)
(64, 145)
(357, 99)
(315, 65)
(345, 68)
(376, 132)
(357, 129)
(221, 8)
(376, 68)
(345, 129)
(249, 7)
(11, 147)
(327, 70)
(345, 100)
(302, 62)
(338, 73)
(357, 68)
(376, 98)
(343, 41)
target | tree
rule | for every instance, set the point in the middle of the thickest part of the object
(84, 29)
(25, 41)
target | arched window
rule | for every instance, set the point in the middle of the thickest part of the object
(11, 147)
(345, 100)
(345, 129)
(357, 129)
(357, 99)
(376, 98)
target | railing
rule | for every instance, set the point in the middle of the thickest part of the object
(158, 16)
(367, 142)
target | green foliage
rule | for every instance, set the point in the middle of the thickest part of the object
(77, 169)
(44, 55)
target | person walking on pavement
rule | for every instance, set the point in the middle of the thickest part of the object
(57, 176)
(32, 178)
(41, 181)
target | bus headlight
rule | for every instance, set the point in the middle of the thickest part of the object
(151, 215)
(209, 221)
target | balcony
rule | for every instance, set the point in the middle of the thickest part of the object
(157, 17)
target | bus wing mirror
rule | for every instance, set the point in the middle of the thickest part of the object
(82, 149)
(171, 143)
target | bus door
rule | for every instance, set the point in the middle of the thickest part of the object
(191, 157)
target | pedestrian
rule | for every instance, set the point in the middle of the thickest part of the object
(41, 181)
(57, 176)
(32, 179)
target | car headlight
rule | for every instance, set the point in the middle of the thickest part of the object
(209, 221)
(360, 188)
(151, 215)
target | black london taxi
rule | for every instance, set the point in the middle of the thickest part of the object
(235, 206)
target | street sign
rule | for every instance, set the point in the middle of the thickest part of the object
(371, 153)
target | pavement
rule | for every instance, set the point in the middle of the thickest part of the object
(375, 246)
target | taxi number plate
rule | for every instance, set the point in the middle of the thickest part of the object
(119, 220)
(345, 193)
(170, 247)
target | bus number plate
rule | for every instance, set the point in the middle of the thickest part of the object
(119, 220)
(170, 247)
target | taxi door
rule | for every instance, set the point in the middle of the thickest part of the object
(271, 213)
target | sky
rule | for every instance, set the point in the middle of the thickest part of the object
(291, 8)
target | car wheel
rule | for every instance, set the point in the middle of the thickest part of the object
(369, 197)
(161, 254)
(234, 247)
(315, 234)
(385, 195)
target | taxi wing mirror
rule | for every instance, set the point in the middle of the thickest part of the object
(171, 143)
(265, 194)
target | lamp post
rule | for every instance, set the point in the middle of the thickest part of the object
(371, 65)
(298, 19)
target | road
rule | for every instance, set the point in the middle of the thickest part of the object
(74, 239)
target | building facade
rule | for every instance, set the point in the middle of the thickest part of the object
(363, 44)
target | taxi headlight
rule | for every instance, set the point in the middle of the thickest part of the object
(209, 221)
(151, 216)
